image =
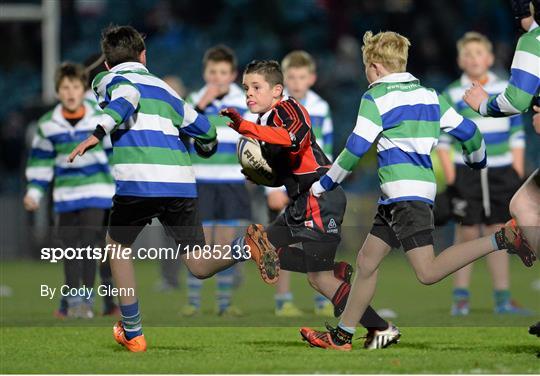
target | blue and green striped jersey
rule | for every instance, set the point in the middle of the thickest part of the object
(85, 183)
(405, 119)
(145, 117)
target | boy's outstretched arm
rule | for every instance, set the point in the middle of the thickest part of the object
(120, 98)
(523, 85)
(290, 130)
(466, 132)
(367, 129)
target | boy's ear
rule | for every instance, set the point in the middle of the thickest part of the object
(277, 91)
(142, 57)
(234, 75)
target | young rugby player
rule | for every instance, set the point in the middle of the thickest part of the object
(82, 192)
(289, 146)
(153, 173)
(405, 118)
(486, 192)
(299, 73)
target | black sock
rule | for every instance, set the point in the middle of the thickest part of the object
(370, 319)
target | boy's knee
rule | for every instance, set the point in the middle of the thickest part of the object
(364, 268)
(425, 277)
(198, 270)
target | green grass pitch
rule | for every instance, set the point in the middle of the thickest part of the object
(32, 341)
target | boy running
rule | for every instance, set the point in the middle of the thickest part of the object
(284, 128)
(405, 120)
(299, 73)
(153, 173)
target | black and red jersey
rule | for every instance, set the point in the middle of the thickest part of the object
(289, 145)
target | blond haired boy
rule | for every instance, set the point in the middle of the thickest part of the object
(486, 192)
(405, 119)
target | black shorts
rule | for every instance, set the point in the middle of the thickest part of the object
(404, 223)
(81, 227)
(179, 216)
(316, 224)
(224, 202)
(488, 202)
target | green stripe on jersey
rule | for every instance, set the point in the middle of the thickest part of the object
(158, 107)
(529, 42)
(149, 155)
(75, 181)
(414, 129)
(347, 160)
(405, 171)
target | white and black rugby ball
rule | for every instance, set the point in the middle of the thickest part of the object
(254, 166)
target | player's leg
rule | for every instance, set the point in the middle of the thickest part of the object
(235, 210)
(110, 308)
(277, 200)
(525, 208)
(194, 284)
(91, 225)
(127, 218)
(224, 233)
(462, 277)
(361, 293)
(67, 231)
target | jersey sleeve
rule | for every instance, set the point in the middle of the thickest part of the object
(466, 132)
(117, 96)
(517, 132)
(367, 129)
(197, 126)
(289, 129)
(40, 167)
(524, 81)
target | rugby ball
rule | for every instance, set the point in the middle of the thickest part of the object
(254, 166)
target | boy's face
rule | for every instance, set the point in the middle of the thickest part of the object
(220, 74)
(298, 80)
(71, 93)
(475, 59)
(260, 95)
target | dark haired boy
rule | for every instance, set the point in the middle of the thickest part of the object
(290, 147)
(153, 172)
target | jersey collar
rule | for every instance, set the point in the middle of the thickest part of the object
(394, 78)
(129, 66)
